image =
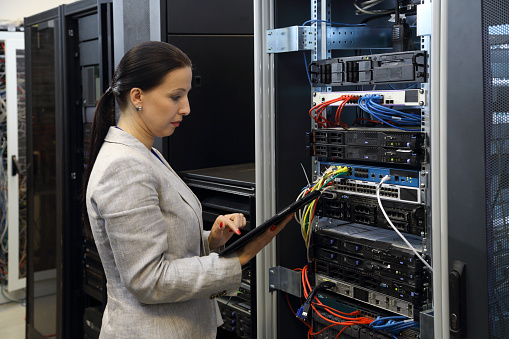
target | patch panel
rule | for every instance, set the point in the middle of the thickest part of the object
(374, 174)
(367, 188)
(406, 97)
(379, 137)
(378, 299)
(406, 217)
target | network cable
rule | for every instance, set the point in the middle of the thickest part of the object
(305, 215)
(364, 7)
(384, 179)
(393, 325)
(389, 116)
(347, 319)
(322, 121)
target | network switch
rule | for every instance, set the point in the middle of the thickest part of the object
(368, 189)
(404, 97)
(410, 178)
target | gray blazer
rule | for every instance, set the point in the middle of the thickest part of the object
(147, 224)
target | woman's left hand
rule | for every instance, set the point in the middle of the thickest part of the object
(224, 227)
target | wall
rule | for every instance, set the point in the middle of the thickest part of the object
(16, 10)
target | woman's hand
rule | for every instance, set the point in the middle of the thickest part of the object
(224, 227)
(248, 251)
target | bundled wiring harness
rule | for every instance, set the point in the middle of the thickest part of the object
(305, 215)
(323, 311)
(370, 103)
(320, 118)
(393, 325)
(304, 309)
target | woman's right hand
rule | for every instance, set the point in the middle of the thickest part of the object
(248, 251)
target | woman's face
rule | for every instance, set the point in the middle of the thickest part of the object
(164, 106)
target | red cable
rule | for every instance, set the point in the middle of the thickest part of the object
(347, 323)
(340, 109)
(319, 119)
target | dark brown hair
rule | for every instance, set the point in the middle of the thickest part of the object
(144, 66)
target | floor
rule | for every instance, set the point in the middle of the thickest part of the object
(12, 321)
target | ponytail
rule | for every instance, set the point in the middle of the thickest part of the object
(104, 117)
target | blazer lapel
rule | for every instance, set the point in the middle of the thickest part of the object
(184, 191)
(116, 135)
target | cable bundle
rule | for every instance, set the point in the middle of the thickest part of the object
(387, 115)
(394, 325)
(322, 121)
(347, 319)
(305, 215)
(364, 6)
(390, 324)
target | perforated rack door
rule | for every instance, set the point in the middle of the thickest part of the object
(495, 16)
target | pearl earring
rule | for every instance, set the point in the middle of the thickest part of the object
(139, 108)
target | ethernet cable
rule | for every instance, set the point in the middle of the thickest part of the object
(369, 103)
(388, 115)
(393, 325)
(305, 215)
(384, 179)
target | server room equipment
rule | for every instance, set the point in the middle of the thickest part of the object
(69, 64)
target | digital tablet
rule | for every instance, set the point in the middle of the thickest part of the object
(270, 222)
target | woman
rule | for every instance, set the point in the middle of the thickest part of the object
(162, 269)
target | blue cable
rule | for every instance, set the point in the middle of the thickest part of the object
(403, 88)
(307, 70)
(412, 118)
(381, 113)
(384, 113)
(390, 324)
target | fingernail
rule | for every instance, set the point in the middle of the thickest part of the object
(230, 231)
(221, 225)
(273, 228)
(238, 232)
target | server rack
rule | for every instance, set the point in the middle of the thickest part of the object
(287, 103)
(477, 141)
(68, 62)
(13, 168)
(465, 120)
